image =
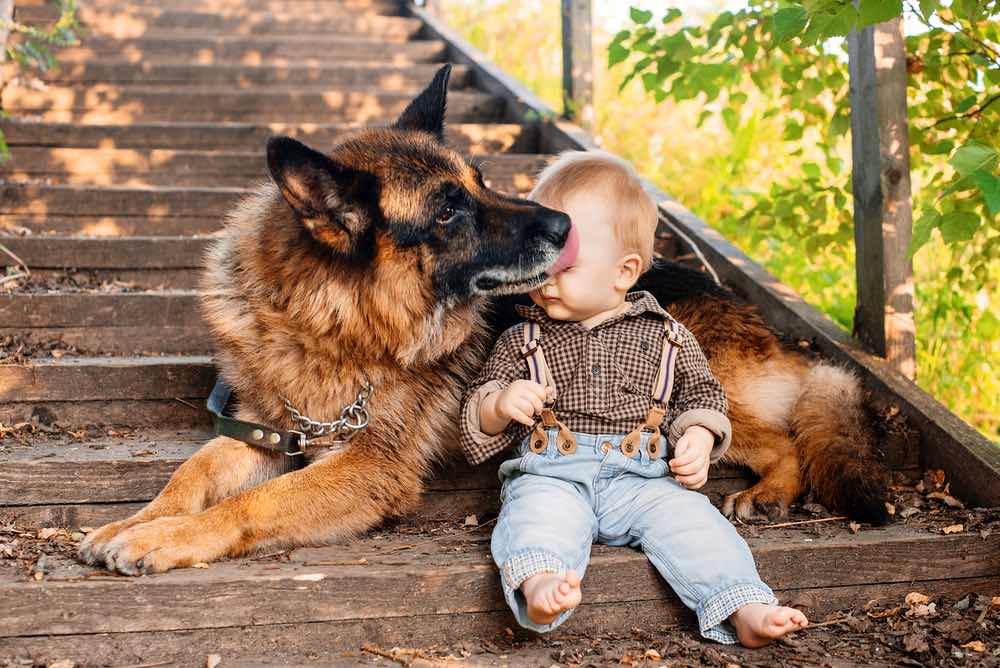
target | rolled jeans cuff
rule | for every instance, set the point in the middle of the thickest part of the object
(714, 612)
(522, 565)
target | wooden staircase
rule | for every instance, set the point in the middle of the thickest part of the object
(124, 164)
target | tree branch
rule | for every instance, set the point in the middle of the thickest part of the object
(969, 114)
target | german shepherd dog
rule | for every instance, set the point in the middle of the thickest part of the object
(377, 263)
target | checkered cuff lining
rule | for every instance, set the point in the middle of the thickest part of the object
(714, 613)
(522, 565)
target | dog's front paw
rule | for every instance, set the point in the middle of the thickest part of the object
(92, 548)
(160, 545)
(755, 505)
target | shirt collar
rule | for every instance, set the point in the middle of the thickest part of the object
(642, 302)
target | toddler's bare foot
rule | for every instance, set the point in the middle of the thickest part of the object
(758, 624)
(549, 594)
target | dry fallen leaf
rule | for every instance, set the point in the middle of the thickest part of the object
(200, 564)
(907, 512)
(471, 521)
(47, 533)
(61, 663)
(652, 655)
(39, 575)
(854, 527)
(890, 508)
(975, 646)
(86, 529)
(212, 660)
(947, 499)
(916, 598)
(995, 602)
(953, 528)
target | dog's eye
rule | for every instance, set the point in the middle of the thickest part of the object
(447, 215)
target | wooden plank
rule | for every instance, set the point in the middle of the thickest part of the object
(108, 253)
(449, 577)
(178, 412)
(578, 62)
(326, 642)
(304, 7)
(113, 104)
(131, 167)
(96, 378)
(942, 438)
(469, 138)
(133, 21)
(883, 217)
(381, 76)
(252, 49)
(132, 279)
(98, 340)
(46, 200)
(156, 222)
(169, 308)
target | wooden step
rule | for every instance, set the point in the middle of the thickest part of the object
(301, 7)
(469, 138)
(158, 167)
(130, 391)
(381, 76)
(438, 588)
(76, 483)
(102, 322)
(135, 21)
(118, 104)
(46, 200)
(254, 49)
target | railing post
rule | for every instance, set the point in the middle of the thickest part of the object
(578, 62)
(883, 220)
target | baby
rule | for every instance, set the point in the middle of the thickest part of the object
(582, 389)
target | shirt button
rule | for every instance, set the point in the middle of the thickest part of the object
(596, 370)
(644, 346)
(606, 446)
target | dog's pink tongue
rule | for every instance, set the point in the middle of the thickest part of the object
(568, 255)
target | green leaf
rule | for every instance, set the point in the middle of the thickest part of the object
(793, 131)
(927, 7)
(966, 104)
(973, 157)
(811, 170)
(877, 11)
(959, 226)
(922, 231)
(731, 119)
(640, 15)
(616, 54)
(789, 22)
(989, 185)
(672, 13)
(988, 327)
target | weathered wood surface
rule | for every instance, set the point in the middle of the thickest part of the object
(101, 378)
(512, 172)
(327, 641)
(105, 340)
(178, 412)
(883, 217)
(180, 252)
(113, 104)
(307, 7)
(447, 576)
(129, 20)
(168, 308)
(470, 138)
(578, 62)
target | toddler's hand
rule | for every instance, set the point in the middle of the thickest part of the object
(691, 457)
(521, 401)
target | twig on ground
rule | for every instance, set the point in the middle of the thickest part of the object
(792, 524)
(9, 252)
(12, 277)
(400, 548)
(831, 622)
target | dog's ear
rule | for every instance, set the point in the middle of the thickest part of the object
(426, 112)
(321, 191)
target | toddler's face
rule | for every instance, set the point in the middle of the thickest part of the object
(588, 286)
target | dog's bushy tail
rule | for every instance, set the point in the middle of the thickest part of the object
(838, 459)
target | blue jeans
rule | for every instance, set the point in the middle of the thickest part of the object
(556, 506)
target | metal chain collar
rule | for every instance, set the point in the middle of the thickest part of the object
(353, 418)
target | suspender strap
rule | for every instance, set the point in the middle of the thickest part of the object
(663, 386)
(672, 342)
(538, 370)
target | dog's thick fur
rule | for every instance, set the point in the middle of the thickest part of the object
(376, 262)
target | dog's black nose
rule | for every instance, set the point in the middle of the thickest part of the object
(552, 226)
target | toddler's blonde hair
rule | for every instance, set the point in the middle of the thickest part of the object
(634, 210)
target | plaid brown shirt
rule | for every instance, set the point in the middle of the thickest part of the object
(603, 378)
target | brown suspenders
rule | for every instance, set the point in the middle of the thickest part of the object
(663, 386)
